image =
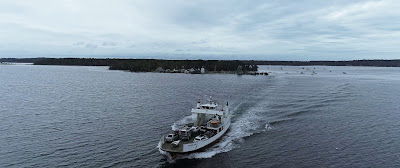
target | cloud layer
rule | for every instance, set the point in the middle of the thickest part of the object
(207, 29)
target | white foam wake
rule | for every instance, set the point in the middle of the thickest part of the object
(268, 127)
(167, 154)
(244, 126)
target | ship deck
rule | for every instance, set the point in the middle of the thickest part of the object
(167, 146)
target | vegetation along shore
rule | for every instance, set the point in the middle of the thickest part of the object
(192, 66)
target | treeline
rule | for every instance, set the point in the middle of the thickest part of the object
(376, 63)
(20, 60)
(75, 61)
(149, 65)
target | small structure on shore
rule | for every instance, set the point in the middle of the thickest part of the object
(241, 70)
(159, 69)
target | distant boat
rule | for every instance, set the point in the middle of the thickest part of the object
(210, 123)
(344, 72)
(313, 73)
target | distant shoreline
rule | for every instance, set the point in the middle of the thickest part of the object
(193, 66)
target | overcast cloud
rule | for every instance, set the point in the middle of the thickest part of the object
(206, 29)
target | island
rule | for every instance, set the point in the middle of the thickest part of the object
(162, 66)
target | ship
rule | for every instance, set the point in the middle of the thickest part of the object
(209, 123)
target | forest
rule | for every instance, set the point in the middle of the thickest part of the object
(151, 65)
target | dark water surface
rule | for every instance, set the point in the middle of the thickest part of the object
(54, 116)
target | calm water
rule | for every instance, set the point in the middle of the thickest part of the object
(92, 117)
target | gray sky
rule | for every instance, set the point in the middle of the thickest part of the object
(201, 29)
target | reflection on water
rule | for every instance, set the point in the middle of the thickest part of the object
(90, 116)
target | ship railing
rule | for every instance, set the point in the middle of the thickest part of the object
(213, 127)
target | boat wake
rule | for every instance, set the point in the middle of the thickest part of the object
(247, 120)
(167, 154)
